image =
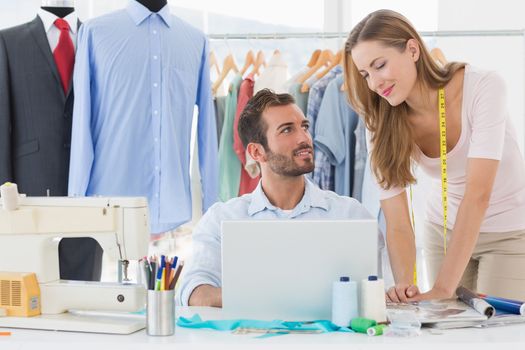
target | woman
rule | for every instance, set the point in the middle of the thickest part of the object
(394, 84)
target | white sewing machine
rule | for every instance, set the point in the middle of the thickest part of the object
(29, 238)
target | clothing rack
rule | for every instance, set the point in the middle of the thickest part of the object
(344, 35)
(338, 35)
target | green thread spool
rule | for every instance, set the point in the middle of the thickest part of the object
(361, 325)
(376, 330)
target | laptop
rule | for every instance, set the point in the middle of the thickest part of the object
(284, 269)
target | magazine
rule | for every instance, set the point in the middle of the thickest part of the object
(438, 311)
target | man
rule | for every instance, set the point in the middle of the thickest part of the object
(276, 135)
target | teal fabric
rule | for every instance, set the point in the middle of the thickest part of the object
(196, 322)
(229, 164)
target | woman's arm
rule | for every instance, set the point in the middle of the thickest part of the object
(480, 180)
(401, 247)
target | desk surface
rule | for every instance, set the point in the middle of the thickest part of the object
(511, 337)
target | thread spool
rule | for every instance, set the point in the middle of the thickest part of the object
(373, 305)
(376, 330)
(361, 324)
(9, 194)
(344, 301)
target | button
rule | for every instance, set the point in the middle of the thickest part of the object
(155, 84)
(156, 139)
(156, 195)
(155, 57)
(154, 32)
(155, 112)
(157, 168)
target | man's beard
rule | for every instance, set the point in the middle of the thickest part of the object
(286, 166)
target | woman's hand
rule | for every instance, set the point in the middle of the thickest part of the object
(401, 293)
(434, 293)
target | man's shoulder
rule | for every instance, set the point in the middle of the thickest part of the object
(235, 208)
(348, 206)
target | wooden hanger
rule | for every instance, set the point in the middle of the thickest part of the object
(248, 61)
(314, 58)
(438, 56)
(326, 57)
(212, 59)
(338, 60)
(227, 66)
(259, 61)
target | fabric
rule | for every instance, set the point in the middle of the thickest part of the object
(316, 204)
(274, 76)
(335, 126)
(493, 267)
(229, 163)
(220, 104)
(64, 54)
(301, 98)
(294, 78)
(52, 32)
(487, 132)
(247, 182)
(140, 75)
(281, 327)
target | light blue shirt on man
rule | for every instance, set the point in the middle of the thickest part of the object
(316, 204)
(138, 76)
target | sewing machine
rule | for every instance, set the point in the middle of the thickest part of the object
(29, 238)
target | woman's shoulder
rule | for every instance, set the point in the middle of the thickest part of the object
(478, 78)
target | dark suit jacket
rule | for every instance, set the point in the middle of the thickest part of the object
(35, 114)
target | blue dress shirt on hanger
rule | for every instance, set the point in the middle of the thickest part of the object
(138, 76)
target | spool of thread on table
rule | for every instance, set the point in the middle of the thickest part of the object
(361, 324)
(376, 330)
(344, 301)
(373, 305)
(9, 194)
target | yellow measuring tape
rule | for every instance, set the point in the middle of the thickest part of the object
(443, 157)
(443, 161)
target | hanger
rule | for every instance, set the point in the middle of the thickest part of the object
(248, 61)
(227, 66)
(326, 57)
(313, 58)
(338, 60)
(438, 56)
(259, 61)
(212, 59)
(60, 8)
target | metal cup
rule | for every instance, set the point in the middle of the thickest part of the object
(160, 316)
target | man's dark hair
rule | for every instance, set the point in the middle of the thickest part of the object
(252, 127)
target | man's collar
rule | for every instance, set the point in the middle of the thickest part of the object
(313, 197)
(139, 12)
(48, 19)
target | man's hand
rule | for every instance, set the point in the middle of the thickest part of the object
(206, 295)
(401, 293)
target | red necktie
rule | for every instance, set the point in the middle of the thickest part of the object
(64, 53)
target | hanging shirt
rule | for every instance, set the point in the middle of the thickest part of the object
(138, 76)
(220, 105)
(229, 164)
(52, 32)
(247, 182)
(360, 159)
(274, 76)
(301, 98)
(205, 268)
(336, 123)
(323, 174)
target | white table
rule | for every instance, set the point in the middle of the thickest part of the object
(498, 338)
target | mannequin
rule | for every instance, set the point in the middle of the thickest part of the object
(153, 5)
(60, 8)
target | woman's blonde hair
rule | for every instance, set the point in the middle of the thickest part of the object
(392, 140)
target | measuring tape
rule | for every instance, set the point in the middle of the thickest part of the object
(443, 157)
(443, 161)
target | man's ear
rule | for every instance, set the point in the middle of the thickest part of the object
(256, 151)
